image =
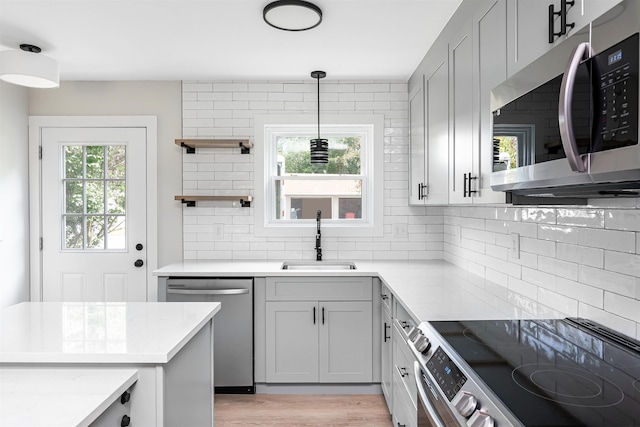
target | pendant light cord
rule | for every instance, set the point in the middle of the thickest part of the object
(318, 79)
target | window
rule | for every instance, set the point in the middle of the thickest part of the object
(94, 197)
(346, 190)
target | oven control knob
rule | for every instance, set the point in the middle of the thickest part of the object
(480, 419)
(422, 344)
(414, 333)
(465, 403)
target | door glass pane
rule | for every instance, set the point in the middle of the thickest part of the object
(73, 232)
(94, 197)
(95, 232)
(73, 161)
(115, 197)
(116, 161)
(73, 197)
(95, 161)
(116, 237)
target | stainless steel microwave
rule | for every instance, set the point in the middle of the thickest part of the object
(567, 125)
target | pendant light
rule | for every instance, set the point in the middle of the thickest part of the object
(319, 146)
(26, 67)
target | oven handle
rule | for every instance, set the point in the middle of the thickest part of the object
(208, 291)
(565, 120)
(422, 394)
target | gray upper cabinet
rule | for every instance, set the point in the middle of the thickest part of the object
(490, 60)
(429, 115)
(461, 109)
(528, 26)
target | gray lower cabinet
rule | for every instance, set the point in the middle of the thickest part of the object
(386, 353)
(319, 329)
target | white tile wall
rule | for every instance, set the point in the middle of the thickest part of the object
(577, 261)
(573, 261)
(218, 230)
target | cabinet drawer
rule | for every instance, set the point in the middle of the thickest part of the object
(327, 288)
(404, 413)
(402, 317)
(386, 297)
(403, 366)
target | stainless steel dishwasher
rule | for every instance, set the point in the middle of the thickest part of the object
(232, 326)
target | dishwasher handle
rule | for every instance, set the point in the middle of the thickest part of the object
(208, 291)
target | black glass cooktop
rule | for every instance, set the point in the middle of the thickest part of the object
(565, 372)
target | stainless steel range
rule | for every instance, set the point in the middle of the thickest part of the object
(561, 372)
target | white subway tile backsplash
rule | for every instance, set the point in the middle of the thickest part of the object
(623, 241)
(573, 260)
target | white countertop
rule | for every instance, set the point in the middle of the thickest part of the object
(99, 332)
(59, 397)
(429, 290)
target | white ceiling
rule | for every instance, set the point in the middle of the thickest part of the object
(223, 39)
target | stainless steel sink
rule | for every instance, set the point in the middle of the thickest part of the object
(318, 265)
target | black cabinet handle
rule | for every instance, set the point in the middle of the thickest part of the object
(126, 396)
(468, 178)
(138, 263)
(562, 13)
(314, 315)
(139, 247)
(323, 315)
(384, 296)
(385, 332)
(126, 421)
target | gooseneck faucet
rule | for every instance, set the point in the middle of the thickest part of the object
(318, 237)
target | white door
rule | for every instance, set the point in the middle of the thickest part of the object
(93, 194)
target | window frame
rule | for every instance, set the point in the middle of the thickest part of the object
(265, 129)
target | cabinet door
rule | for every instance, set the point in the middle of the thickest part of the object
(385, 359)
(528, 39)
(490, 58)
(461, 113)
(417, 163)
(437, 128)
(292, 342)
(345, 343)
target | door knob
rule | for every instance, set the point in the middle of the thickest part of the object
(139, 247)
(138, 263)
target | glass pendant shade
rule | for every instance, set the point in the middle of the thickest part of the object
(29, 69)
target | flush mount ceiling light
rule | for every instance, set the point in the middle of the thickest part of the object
(292, 15)
(26, 67)
(319, 146)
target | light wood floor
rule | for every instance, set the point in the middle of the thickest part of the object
(301, 410)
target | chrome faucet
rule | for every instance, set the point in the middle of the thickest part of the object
(318, 237)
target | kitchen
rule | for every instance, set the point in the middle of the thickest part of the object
(577, 261)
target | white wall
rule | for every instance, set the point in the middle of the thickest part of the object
(14, 195)
(227, 109)
(162, 99)
(580, 261)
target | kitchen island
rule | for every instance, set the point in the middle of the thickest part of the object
(170, 345)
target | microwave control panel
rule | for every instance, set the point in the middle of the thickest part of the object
(617, 70)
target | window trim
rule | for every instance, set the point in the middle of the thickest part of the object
(371, 224)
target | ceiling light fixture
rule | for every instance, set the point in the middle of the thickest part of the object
(319, 146)
(26, 67)
(292, 15)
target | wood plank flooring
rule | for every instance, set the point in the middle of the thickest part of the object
(232, 410)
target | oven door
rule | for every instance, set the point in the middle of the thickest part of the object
(432, 409)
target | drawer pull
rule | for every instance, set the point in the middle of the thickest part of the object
(402, 371)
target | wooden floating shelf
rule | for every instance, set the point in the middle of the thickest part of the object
(245, 201)
(191, 144)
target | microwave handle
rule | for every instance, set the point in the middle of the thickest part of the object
(565, 120)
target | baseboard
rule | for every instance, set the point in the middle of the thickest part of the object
(262, 388)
